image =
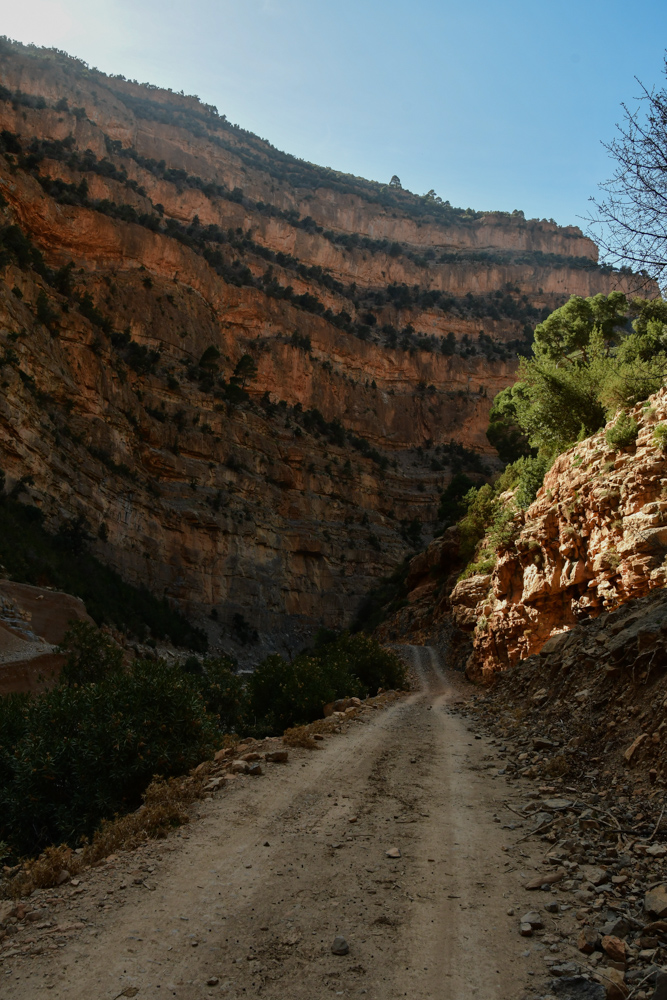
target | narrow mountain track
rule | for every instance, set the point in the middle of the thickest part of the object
(253, 894)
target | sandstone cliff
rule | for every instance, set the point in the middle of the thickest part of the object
(170, 236)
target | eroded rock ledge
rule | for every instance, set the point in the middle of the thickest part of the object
(594, 539)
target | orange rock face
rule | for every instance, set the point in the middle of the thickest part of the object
(226, 505)
(595, 537)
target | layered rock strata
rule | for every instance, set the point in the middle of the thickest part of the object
(183, 238)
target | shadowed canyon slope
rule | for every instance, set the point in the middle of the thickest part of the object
(148, 246)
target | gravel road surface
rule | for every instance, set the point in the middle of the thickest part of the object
(247, 900)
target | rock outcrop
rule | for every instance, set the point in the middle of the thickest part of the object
(594, 538)
(380, 325)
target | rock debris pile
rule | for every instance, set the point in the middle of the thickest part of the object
(584, 723)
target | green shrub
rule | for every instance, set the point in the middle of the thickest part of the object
(369, 664)
(585, 367)
(91, 655)
(481, 509)
(224, 693)
(284, 694)
(530, 473)
(504, 432)
(488, 523)
(451, 508)
(77, 754)
(481, 567)
(623, 433)
(660, 436)
(301, 341)
(45, 314)
(210, 358)
(245, 371)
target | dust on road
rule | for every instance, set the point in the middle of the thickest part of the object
(255, 892)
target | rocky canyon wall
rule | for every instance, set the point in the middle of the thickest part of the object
(594, 538)
(173, 244)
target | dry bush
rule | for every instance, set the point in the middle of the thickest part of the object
(299, 736)
(324, 725)
(45, 871)
(386, 698)
(230, 741)
(558, 766)
(165, 807)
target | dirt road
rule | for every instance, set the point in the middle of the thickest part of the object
(254, 893)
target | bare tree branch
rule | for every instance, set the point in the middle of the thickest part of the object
(629, 223)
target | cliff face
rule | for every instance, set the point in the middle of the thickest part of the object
(188, 243)
(594, 539)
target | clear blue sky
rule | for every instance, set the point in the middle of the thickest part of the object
(493, 104)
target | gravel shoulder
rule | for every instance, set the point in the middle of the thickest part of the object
(247, 900)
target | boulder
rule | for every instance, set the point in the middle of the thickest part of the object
(534, 920)
(340, 946)
(577, 988)
(614, 948)
(655, 901)
(588, 940)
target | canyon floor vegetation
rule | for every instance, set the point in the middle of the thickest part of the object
(87, 749)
